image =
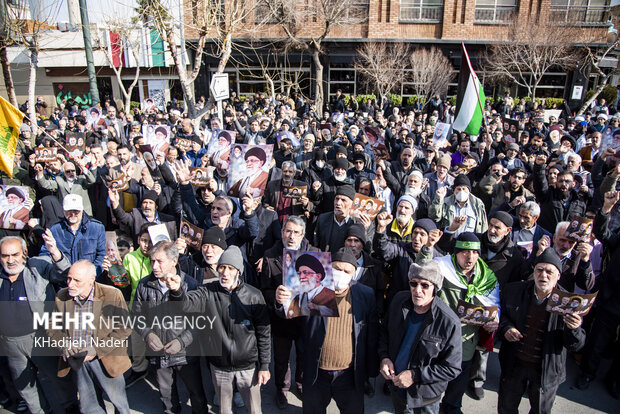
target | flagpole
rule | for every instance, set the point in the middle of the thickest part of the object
(46, 133)
(484, 117)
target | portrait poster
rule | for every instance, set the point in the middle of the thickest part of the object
(120, 183)
(381, 153)
(373, 134)
(510, 129)
(148, 152)
(191, 234)
(74, 143)
(14, 210)
(183, 144)
(326, 131)
(249, 170)
(157, 136)
(117, 274)
(526, 248)
(46, 154)
(563, 303)
(219, 148)
(287, 134)
(295, 192)
(199, 176)
(308, 275)
(337, 117)
(471, 314)
(580, 230)
(440, 135)
(368, 205)
(158, 233)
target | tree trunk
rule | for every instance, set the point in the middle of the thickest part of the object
(598, 90)
(32, 82)
(272, 88)
(226, 51)
(318, 78)
(8, 78)
(130, 90)
(186, 84)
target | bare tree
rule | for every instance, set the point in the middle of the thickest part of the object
(381, 65)
(529, 50)
(7, 38)
(430, 72)
(294, 16)
(23, 21)
(129, 39)
(215, 20)
(594, 60)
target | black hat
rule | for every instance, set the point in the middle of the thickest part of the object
(340, 149)
(151, 195)
(341, 163)
(319, 154)
(467, 241)
(344, 254)
(570, 139)
(256, 152)
(462, 180)
(503, 217)
(311, 262)
(286, 122)
(426, 224)
(356, 230)
(551, 257)
(215, 235)
(196, 139)
(526, 133)
(162, 130)
(346, 190)
(16, 192)
(226, 135)
(359, 155)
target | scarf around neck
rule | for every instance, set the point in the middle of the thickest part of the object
(483, 282)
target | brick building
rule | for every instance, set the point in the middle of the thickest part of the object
(443, 23)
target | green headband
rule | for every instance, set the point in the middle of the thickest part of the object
(467, 245)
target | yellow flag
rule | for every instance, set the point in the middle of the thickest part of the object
(10, 122)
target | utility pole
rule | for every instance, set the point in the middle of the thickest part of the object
(88, 49)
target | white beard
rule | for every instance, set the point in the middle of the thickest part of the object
(413, 191)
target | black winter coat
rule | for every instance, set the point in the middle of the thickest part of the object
(241, 325)
(436, 353)
(151, 304)
(515, 302)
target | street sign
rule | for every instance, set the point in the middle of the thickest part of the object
(219, 87)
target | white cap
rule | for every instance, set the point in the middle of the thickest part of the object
(604, 116)
(579, 118)
(72, 202)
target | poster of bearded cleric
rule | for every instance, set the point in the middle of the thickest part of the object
(308, 275)
(15, 207)
(249, 172)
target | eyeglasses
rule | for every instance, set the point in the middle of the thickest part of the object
(414, 284)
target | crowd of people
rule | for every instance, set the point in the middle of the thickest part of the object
(472, 220)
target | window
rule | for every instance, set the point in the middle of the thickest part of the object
(494, 11)
(586, 12)
(425, 11)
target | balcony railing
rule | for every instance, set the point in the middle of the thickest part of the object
(583, 15)
(494, 14)
(421, 14)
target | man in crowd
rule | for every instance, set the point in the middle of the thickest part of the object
(339, 352)
(419, 369)
(533, 358)
(246, 343)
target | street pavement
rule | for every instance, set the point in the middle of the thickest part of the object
(144, 398)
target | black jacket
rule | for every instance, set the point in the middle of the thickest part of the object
(608, 283)
(437, 351)
(515, 302)
(329, 237)
(552, 209)
(152, 305)
(241, 335)
(365, 338)
(133, 221)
